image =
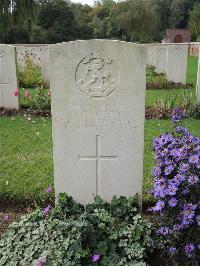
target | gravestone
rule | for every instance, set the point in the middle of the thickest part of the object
(98, 106)
(150, 54)
(8, 77)
(177, 63)
(160, 60)
(198, 81)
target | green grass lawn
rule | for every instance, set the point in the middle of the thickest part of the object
(26, 155)
(153, 95)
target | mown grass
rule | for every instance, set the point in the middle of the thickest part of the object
(26, 166)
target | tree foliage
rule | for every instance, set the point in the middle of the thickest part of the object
(51, 21)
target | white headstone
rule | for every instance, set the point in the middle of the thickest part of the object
(177, 63)
(198, 80)
(160, 60)
(150, 54)
(98, 106)
(8, 77)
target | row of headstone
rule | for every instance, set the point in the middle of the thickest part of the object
(98, 110)
(169, 59)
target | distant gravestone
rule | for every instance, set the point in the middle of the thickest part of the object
(8, 77)
(98, 94)
(160, 60)
(177, 63)
(198, 81)
(150, 54)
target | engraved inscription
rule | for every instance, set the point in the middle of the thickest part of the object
(98, 157)
(97, 116)
(97, 76)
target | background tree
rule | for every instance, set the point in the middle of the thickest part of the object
(14, 13)
(194, 21)
(180, 10)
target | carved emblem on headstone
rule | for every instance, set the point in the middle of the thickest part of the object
(97, 76)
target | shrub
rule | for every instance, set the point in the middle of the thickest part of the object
(39, 99)
(176, 191)
(72, 234)
(30, 75)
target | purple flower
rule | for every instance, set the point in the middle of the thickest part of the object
(198, 246)
(177, 227)
(171, 190)
(173, 202)
(96, 257)
(41, 263)
(5, 218)
(49, 189)
(156, 171)
(189, 248)
(159, 206)
(164, 230)
(172, 250)
(194, 159)
(177, 115)
(184, 167)
(47, 210)
(169, 169)
(179, 178)
(193, 179)
(198, 219)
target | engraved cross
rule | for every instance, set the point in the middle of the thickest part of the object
(98, 157)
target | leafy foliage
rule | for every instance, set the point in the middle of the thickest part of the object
(30, 75)
(39, 99)
(72, 234)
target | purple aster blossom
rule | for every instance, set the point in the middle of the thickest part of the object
(177, 115)
(164, 230)
(198, 246)
(96, 257)
(189, 248)
(172, 250)
(180, 129)
(48, 189)
(171, 190)
(159, 206)
(169, 169)
(177, 227)
(194, 159)
(198, 219)
(156, 171)
(193, 179)
(47, 210)
(5, 218)
(189, 206)
(183, 168)
(179, 178)
(173, 202)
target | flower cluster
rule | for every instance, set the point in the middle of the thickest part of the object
(176, 189)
